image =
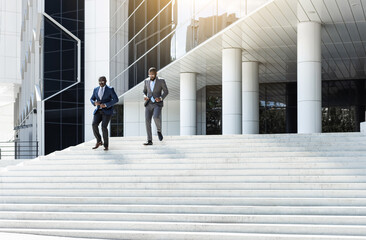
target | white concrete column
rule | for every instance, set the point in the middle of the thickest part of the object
(309, 105)
(231, 91)
(97, 57)
(40, 121)
(363, 127)
(188, 105)
(250, 96)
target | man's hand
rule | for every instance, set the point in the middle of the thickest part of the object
(96, 103)
(103, 105)
(157, 100)
(145, 98)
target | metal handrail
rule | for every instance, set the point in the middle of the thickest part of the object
(25, 118)
(79, 54)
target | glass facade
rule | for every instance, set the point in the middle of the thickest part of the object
(117, 121)
(214, 110)
(273, 108)
(149, 33)
(343, 106)
(64, 113)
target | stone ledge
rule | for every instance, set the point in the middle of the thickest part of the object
(19, 236)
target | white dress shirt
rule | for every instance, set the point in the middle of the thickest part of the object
(101, 92)
(152, 85)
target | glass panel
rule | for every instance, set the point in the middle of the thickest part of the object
(272, 110)
(204, 21)
(142, 51)
(213, 110)
(343, 105)
(64, 113)
(338, 119)
(140, 17)
(60, 60)
(119, 38)
(228, 13)
(204, 8)
(117, 122)
(291, 107)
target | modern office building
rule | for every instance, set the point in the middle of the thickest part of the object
(243, 67)
(10, 79)
(51, 99)
(232, 67)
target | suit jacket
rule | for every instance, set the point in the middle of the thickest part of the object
(160, 89)
(109, 99)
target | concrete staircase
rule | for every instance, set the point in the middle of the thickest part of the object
(268, 187)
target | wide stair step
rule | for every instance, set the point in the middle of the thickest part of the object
(267, 187)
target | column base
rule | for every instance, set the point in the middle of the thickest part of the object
(363, 127)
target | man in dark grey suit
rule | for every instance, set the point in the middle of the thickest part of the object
(155, 91)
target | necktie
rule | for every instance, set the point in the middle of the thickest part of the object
(101, 92)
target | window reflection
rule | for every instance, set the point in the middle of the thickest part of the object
(117, 122)
(214, 110)
(252, 5)
(235, 8)
(184, 18)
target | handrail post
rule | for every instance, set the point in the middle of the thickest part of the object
(16, 149)
(36, 148)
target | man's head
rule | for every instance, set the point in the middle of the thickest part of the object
(152, 73)
(102, 81)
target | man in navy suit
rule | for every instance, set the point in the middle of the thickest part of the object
(103, 98)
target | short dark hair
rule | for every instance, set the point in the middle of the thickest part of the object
(102, 78)
(153, 69)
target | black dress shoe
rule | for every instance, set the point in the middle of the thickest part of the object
(105, 148)
(98, 144)
(160, 136)
(148, 143)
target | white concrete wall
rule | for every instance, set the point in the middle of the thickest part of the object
(10, 22)
(97, 32)
(6, 122)
(29, 69)
(10, 79)
(134, 119)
